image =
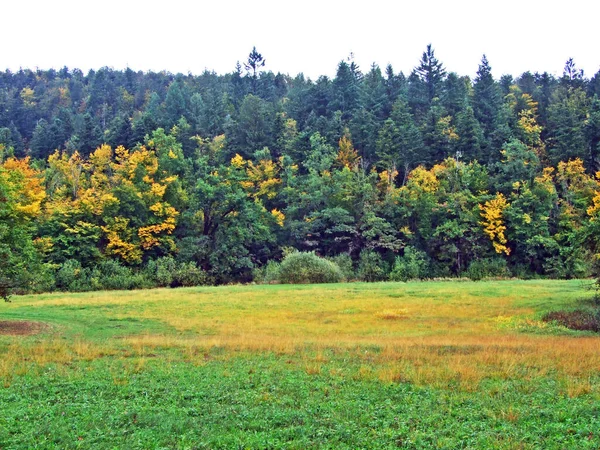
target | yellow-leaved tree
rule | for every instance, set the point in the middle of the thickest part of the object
(112, 204)
(21, 195)
(493, 222)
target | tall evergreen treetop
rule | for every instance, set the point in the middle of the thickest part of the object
(255, 62)
(431, 72)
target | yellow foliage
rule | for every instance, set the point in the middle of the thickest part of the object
(424, 180)
(279, 216)
(493, 224)
(238, 161)
(119, 236)
(150, 235)
(29, 189)
(447, 130)
(68, 172)
(594, 208)
(28, 97)
(43, 245)
(347, 156)
(91, 187)
(530, 128)
(546, 180)
(158, 189)
(262, 179)
(386, 181)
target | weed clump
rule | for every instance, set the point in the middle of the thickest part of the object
(575, 320)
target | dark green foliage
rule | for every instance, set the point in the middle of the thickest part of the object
(567, 116)
(113, 276)
(431, 74)
(306, 267)
(345, 90)
(411, 265)
(487, 268)
(189, 274)
(346, 265)
(225, 229)
(71, 276)
(161, 271)
(267, 274)
(371, 267)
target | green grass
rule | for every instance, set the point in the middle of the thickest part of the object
(391, 365)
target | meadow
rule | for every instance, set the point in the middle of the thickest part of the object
(357, 365)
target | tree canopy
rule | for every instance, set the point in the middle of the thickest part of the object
(217, 175)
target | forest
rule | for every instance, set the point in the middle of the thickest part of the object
(118, 179)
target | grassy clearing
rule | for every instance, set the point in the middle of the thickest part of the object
(415, 365)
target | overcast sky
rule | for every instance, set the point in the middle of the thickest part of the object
(309, 36)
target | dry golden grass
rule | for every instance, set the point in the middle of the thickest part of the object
(424, 333)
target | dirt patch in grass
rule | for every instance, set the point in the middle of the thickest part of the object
(21, 327)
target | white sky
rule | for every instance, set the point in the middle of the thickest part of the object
(309, 36)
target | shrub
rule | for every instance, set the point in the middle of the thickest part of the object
(346, 265)
(268, 274)
(410, 266)
(70, 276)
(306, 267)
(111, 275)
(575, 320)
(43, 279)
(371, 266)
(486, 268)
(189, 274)
(161, 271)
(575, 265)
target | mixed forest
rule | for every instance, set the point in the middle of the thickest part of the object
(123, 179)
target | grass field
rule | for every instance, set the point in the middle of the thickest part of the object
(391, 365)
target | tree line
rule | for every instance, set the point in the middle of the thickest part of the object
(130, 179)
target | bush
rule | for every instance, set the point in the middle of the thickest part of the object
(267, 274)
(575, 320)
(70, 276)
(43, 280)
(111, 275)
(487, 268)
(346, 265)
(161, 271)
(306, 267)
(371, 267)
(189, 274)
(574, 265)
(410, 266)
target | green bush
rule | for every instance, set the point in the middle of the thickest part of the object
(161, 271)
(267, 274)
(371, 267)
(306, 267)
(111, 275)
(574, 264)
(346, 265)
(487, 268)
(410, 266)
(43, 279)
(189, 274)
(70, 276)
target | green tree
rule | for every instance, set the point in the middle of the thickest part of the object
(253, 64)
(488, 110)
(567, 116)
(346, 91)
(431, 73)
